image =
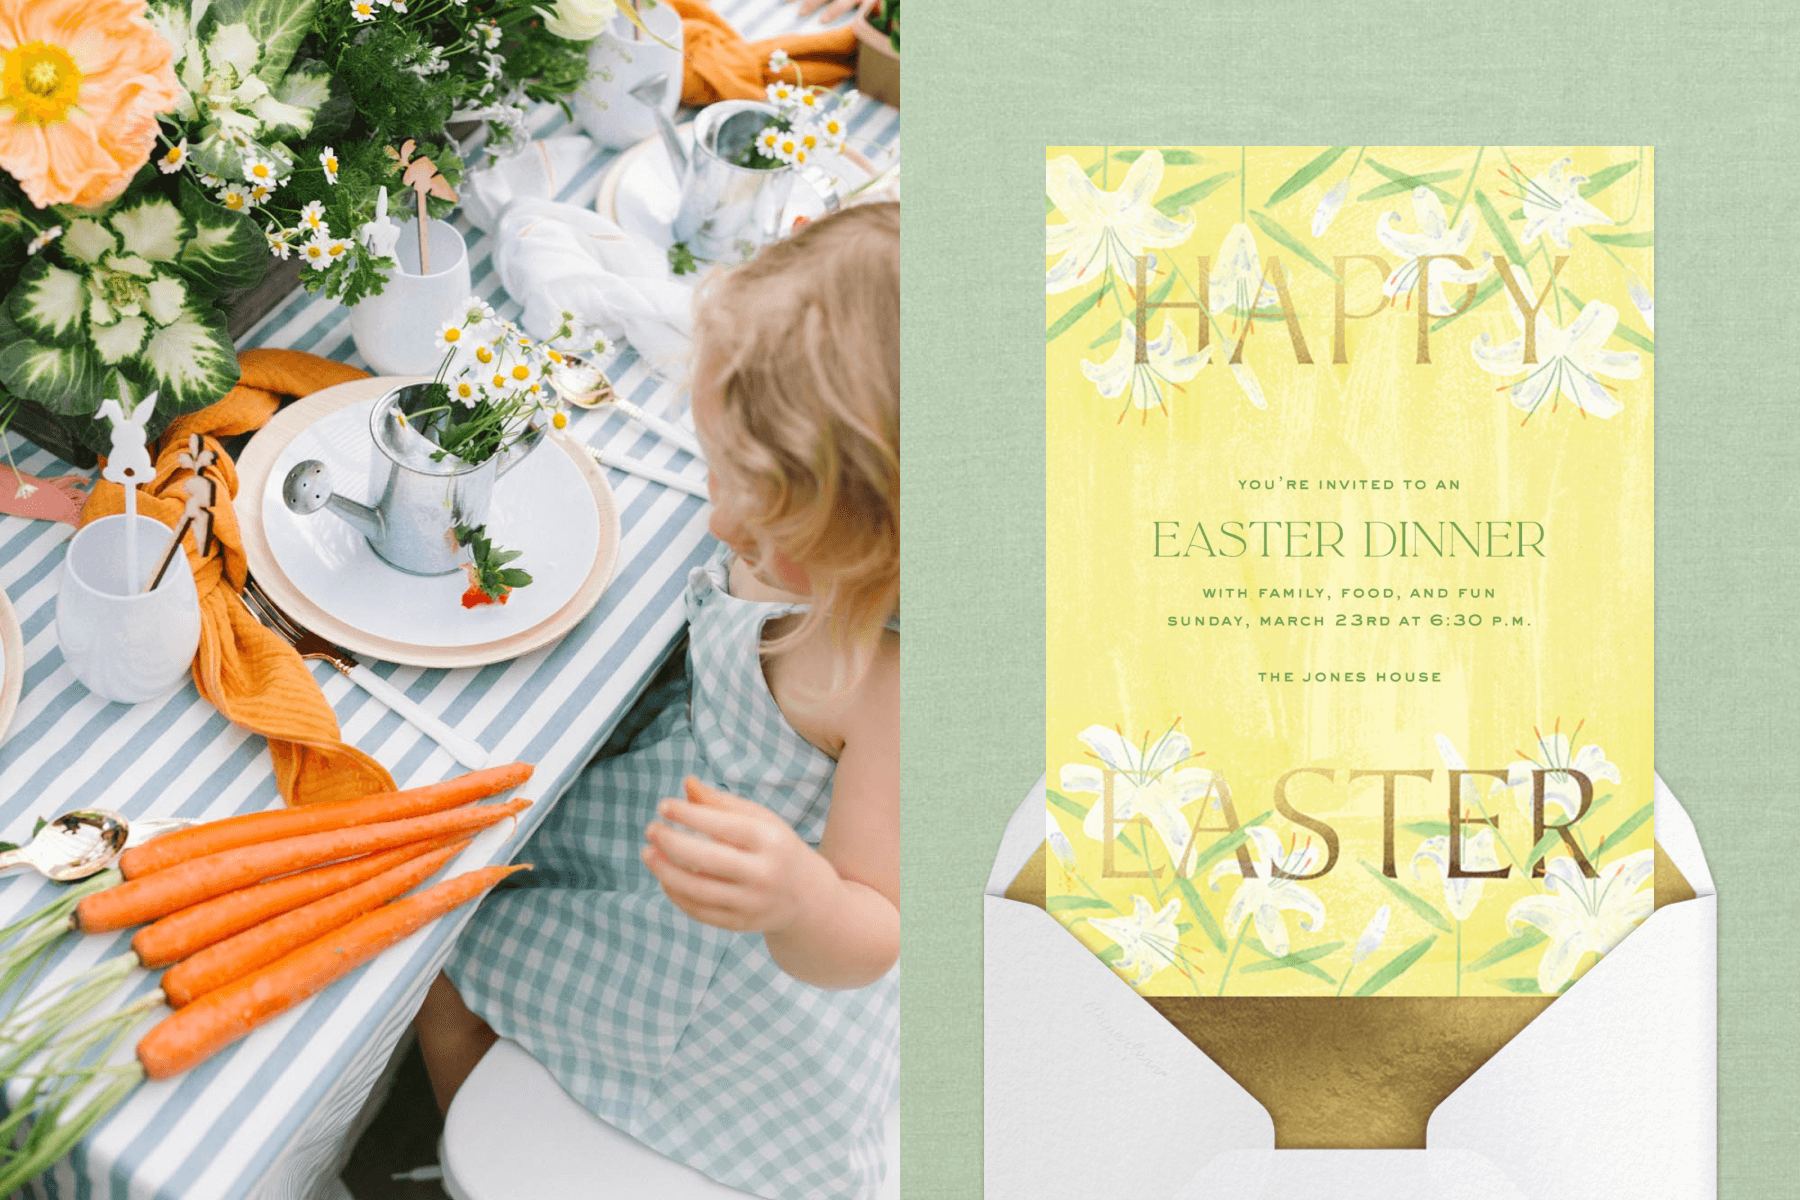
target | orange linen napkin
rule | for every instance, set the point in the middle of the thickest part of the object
(248, 673)
(721, 65)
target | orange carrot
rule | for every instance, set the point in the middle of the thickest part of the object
(235, 957)
(194, 1033)
(138, 900)
(180, 934)
(199, 841)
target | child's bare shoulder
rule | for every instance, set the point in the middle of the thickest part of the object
(801, 682)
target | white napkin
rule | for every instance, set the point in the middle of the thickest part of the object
(554, 258)
(535, 171)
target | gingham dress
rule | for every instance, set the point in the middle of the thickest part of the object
(688, 1037)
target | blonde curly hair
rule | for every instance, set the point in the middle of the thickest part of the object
(802, 347)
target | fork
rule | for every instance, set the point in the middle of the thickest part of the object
(311, 645)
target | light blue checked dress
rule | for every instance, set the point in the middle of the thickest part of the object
(688, 1037)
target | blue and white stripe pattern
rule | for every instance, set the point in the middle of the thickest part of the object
(270, 1116)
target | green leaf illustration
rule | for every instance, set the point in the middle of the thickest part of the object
(1502, 951)
(1545, 845)
(1069, 903)
(1067, 805)
(1409, 182)
(1428, 829)
(1396, 967)
(1112, 954)
(1426, 912)
(1521, 987)
(1305, 175)
(1227, 844)
(1487, 288)
(1626, 829)
(1273, 228)
(1634, 241)
(1299, 960)
(1173, 203)
(1208, 925)
(1406, 185)
(1604, 178)
(1106, 339)
(1075, 312)
(1501, 233)
(1049, 204)
(1171, 158)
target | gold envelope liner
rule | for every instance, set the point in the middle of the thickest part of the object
(1350, 1073)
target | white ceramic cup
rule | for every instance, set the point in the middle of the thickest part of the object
(618, 62)
(122, 643)
(396, 332)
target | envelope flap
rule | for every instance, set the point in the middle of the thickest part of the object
(1352, 1175)
(1024, 834)
(1087, 1090)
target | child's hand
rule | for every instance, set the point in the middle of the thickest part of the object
(749, 872)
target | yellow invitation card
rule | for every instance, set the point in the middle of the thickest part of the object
(1349, 564)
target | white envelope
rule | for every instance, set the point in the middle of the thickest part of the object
(1611, 1092)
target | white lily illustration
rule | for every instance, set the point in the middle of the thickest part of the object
(1562, 795)
(1460, 895)
(1373, 934)
(1569, 361)
(1058, 840)
(1553, 205)
(1266, 897)
(1170, 363)
(1146, 936)
(1150, 783)
(1579, 914)
(1329, 204)
(1101, 227)
(1434, 237)
(1237, 275)
(1641, 298)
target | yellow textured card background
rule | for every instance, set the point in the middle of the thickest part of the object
(1581, 660)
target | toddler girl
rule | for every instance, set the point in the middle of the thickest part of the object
(703, 955)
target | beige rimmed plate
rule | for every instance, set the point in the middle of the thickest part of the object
(260, 462)
(12, 664)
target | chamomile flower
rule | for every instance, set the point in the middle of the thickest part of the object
(317, 253)
(450, 334)
(279, 245)
(811, 98)
(465, 394)
(313, 217)
(809, 140)
(328, 160)
(207, 179)
(174, 158)
(362, 10)
(259, 170)
(479, 312)
(234, 197)
(336, 248)
(786, 144)
(43, 239)
(799, 156)
(781, 93)
(560, 420)
(499, 382)
(484, 354)
(260, 193)
(767, 139)
(521, 372)
(490, 34)
(779, 60)
(831, 125)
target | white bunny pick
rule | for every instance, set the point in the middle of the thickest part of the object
(380, 235)
(127, 463)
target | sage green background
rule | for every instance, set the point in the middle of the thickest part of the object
(1714, 87)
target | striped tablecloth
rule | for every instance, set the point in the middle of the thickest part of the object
(272, 1116)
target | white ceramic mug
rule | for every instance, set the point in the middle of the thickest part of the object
(618, 62)
(396, 332)
(122, 643)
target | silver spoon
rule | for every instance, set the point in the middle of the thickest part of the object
(85, 842)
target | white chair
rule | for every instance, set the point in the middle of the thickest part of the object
(514, 1134)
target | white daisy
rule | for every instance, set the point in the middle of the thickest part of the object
(313, 217)
(328, 160)
(174, 158)
(44, 239)
(234, 197)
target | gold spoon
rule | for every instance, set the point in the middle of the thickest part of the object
(85, 842)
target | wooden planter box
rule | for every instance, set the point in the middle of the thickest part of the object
(877, 64)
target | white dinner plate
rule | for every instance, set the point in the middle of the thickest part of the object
(12, 663)
(541, 508)
(641, 194)
(555, 507)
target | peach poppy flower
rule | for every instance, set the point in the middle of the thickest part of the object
(81, 82)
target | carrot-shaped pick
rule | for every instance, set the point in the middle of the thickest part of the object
(139, 900)
(198, 926)
(200, 840)
(215, 1020)
(235, 957)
